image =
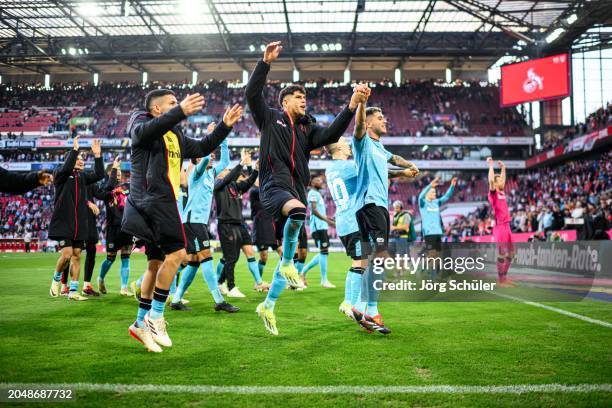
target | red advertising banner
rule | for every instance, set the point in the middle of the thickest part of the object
(566, 236)
(535, 80)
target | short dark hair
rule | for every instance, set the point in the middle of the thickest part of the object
(156, 93)
(290, 90)
(372, 110)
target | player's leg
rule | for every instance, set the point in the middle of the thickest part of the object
(63, 261)
(90, 262)
(124, 272)
(299, 259)
(323, 259)
(105, 267)
(75, 271)
(263, 258)
(248, 250)
(195, 239)
(231, 254)
(139, 329)
(163, 281)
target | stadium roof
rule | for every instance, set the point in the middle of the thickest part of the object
(99, 36)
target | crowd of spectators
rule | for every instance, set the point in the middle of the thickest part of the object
(575, 195)
(415, 108)
(599, 119)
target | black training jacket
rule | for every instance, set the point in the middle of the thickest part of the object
(285, 146)
(70, 210)
(158, 148)
(17, 183)
(228, 195)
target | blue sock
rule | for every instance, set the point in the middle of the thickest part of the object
(291, 231)
(210, 278)
(323, 266)
(186, 278)
(372, 309)
(173, 285)
(144, 305)
(299, 265)
(313, 262)
(105, 267)
(261, 266)
(278, 285)
(57, 276)
(159, 303)
(355, 282)
(347, 288)
(125, 271)
(74, 285)
(139, 281)
(254, 270)
(220, 266)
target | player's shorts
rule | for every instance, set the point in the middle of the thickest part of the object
(352, 245)
(433, 242)
(321, 240)
(117, 239)
(232, 237)
(264, 234)
(198, 237)
(373, 222)
(503, 238)
(74, 244)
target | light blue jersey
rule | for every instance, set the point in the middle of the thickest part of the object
(373, 175)
(341, 178)
(201, 185)
(431, 221)
(316, 223)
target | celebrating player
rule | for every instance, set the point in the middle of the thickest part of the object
(233, 233)
(151, 213)
(287, 137)
(429, 207)
(70, 211)
(342, 177)
(196, 215)
(501, 230)
(114, 194)
(319, 222)
(372, 199)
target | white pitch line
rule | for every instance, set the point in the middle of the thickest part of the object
(329, 389)
(557, 310)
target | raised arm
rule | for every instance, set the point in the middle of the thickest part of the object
(360, 122)
(199, 169)
(491, 175)
(194, 148)
(260, 110)
(409, 173)
(423, 194)
(449, 192)
(243, 186)
(503, 173)
(224, 160)
(64, 171)
(220, 184)
(98, 173)
(144, 129)
(321, 136)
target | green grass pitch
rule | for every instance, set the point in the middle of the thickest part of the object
(46, 340)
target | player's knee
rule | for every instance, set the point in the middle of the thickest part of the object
(263, 256)
(297, 214)
(176, 257)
